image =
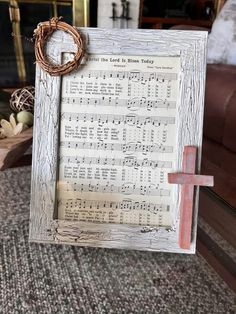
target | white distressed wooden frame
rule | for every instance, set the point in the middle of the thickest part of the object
(191, 47)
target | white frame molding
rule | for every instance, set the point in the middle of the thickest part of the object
(191, 47)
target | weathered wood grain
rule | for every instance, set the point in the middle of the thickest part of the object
(191, 47)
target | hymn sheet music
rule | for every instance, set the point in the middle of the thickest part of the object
(118, 140)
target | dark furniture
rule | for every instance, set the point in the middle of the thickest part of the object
(219, 143)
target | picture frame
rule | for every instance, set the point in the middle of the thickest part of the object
(190, 47)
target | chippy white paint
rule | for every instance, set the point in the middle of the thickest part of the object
(191, 47)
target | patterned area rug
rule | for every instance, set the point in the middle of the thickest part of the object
(37, 278)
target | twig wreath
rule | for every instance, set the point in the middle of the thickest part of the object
(42, 33)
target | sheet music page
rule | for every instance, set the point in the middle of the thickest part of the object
(118, 140)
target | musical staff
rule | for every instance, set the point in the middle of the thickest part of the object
(133, 75)
(127, 189)
(126, 205)
(131, 119)
(130, 147)
(132, 104)
(129, 161)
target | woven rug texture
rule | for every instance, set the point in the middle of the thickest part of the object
(39, 278)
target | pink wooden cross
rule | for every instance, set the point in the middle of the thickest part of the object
(188, 179)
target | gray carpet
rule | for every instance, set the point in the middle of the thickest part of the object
(37, 278)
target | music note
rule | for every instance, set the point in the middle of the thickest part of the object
(134, 120)
(132, 104)
(126, 205)
(126, 188)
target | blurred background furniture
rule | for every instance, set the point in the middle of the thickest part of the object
(164, 14)
(21, 16)
(118, 14)
(18, 19)
(219, 143)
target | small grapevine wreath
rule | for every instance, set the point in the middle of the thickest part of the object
(41, 34)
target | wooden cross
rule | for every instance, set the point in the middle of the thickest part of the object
(188, 179)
